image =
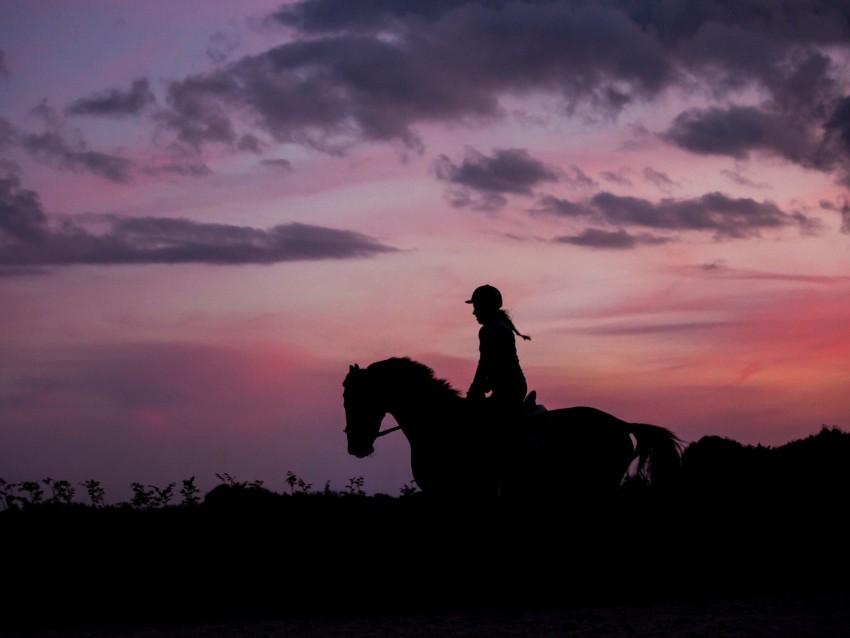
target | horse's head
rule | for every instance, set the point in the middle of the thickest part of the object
(363, 412)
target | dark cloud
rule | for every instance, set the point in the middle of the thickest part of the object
(511, 171)
(736, 131)
(842, 209)
(655, 328)
(839, 122)
(742, 180)
(617, 177)
(183, 168)
(807, 225)
(21, 217)
(18, 272)
(116, 102)
(658, 178)
(721, 269)
(596, 238)
(195, 113)
(480, 182)
(324, 16)
(377, 72)
(837, 142)
(27, 240)
(725, 216)
(803, 21)
(7, 133)
(584, 51)
(221, 45)
(251, 143)
(791, 68)
(280, 164)
(466, 198)
(51, 148)
(781, 50)
(577, 178)
(563, 207)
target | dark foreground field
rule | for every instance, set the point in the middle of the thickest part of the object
(824, 615)
(751, 544)
(305, 561)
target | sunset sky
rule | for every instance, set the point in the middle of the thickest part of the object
(209, 209)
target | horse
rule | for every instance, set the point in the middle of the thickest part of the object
(579, 451)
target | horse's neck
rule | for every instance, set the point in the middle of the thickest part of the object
(424, 417)
(414, 419)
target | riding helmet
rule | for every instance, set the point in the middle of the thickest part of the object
(486, 296)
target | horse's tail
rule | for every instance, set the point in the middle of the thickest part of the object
(659, 454)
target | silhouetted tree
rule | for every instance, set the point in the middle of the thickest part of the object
(190, 493)
(95, 492)
(62, 491)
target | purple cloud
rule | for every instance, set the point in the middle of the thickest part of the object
(28, 240)
(726, 217)
(116, 102)
(511, 171)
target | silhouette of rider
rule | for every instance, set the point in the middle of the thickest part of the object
(498, 372)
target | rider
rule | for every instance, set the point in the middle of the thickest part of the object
(498, 370)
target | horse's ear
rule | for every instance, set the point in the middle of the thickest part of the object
(353, 368)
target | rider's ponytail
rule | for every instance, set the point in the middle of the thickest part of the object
(507, 319)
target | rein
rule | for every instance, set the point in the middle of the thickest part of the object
(387, 431)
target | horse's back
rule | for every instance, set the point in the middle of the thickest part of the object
(583, 417)
(575, 429)
(569, 452)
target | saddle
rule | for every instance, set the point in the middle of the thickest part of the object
(530, 406)
(531, 431)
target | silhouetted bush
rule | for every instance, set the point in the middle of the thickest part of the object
(812, 468)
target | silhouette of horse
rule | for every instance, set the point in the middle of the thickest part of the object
(580, 451)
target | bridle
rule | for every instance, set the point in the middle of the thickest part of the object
(387, 431)
(382, 432)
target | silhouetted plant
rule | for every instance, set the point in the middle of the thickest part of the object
(6, 494)
(160, 497)
(190, 493)
(409, 489)
(62, 491)
(294, 482)
(95, 492)
(34, 490)
(291, 480)
(141, 496)
(355, 486)
(227, 479)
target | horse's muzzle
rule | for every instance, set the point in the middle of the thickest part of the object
(361, 452)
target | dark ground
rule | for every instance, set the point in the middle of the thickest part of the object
(748, 541)
(313, 565)
(776, 616)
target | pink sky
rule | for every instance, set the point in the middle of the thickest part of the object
(208, 210)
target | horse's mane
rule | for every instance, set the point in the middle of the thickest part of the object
(412, 372)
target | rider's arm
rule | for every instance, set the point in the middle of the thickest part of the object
(481, 383)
